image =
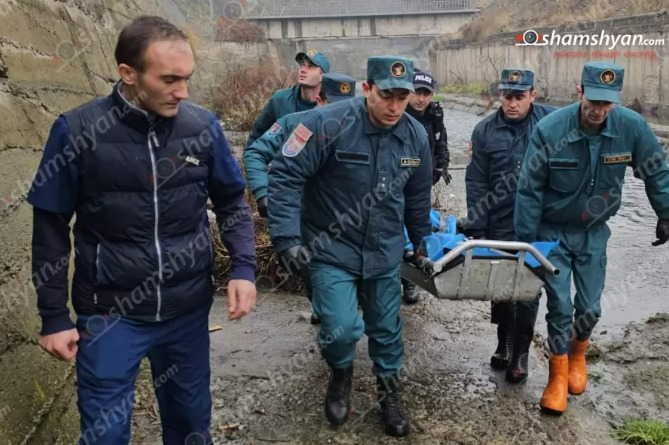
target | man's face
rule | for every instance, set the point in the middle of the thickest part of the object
(168, 66)
(309, 75)
(385, 106)
(516, 104)
(594, 112)
(420, 99)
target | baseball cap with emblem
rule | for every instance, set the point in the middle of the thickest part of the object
(390, 72)
(338, 86)
(602, 81)
(423, 80)
(315, 57)
(516, 79)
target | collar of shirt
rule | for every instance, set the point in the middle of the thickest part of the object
(610, 128)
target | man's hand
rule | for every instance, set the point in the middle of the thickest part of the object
(62, 345)
(241, 298)
(447, 176)
(295, 260)
(662, 232)
(436, 175)
(262, 206)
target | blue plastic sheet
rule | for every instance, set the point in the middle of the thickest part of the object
(435, 243)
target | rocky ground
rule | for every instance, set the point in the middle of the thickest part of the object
(269, 381)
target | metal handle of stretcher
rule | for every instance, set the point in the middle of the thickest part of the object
(522, 248)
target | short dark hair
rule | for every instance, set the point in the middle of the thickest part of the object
(322, 95)
(136, 37)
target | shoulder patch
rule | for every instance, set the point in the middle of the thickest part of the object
(296, 141)
(274, 130)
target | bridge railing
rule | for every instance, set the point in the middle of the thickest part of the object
(307, 8)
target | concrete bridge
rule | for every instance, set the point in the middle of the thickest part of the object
(350, 31)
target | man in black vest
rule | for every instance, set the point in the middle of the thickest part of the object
(137, 168)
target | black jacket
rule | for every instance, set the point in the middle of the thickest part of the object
(433, 121)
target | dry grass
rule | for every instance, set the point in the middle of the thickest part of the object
(240, 31)
(517, 15)
(266, 257)
(242, 92)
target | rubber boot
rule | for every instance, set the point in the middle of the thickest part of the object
(337, 399)
(392, 412)
(523, 334)
(554, 399)
(409, 293)
(503, 315)
(578, 374)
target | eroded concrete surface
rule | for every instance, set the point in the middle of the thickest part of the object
(269, 380)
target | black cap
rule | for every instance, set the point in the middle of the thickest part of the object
(422, 79)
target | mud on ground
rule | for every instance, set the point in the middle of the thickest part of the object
(269, 381)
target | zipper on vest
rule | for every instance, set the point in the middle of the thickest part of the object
(153, 143)
(97, 271)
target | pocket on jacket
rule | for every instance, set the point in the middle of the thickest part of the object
(564, 174)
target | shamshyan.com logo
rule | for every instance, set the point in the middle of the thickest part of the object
(533, 38)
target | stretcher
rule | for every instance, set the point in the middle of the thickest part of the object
(458, 268)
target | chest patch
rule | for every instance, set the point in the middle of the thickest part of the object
(622, 158)
(296, 141)
(409, 162)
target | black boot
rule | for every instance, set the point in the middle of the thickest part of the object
(337, 399)
(315, 319)
(517, 371)
(503, 315)
(409, 293)
(392, 412)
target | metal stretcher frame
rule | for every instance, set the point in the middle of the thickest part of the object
(503, 277)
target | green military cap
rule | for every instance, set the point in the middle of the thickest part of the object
(602, 81)
(516, 79)
(390, 72)
(338, 86)
(315, 57)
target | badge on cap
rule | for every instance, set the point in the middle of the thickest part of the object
(607, 77)
(297, 141)
(312, 52)
(345, 88)
(515, 76)
(398, 69)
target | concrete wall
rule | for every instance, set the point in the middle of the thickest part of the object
(54, 55)
(558, 72)
(351, 27)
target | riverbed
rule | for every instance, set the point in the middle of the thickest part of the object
(268, 380)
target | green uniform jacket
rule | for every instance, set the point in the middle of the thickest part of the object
(282, 102)
(353, 187)
(571, 181)
(263, 150)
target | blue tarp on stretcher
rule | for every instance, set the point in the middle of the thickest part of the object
(436, 243)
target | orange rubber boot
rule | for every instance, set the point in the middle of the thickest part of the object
(578, 374)
(554, 399)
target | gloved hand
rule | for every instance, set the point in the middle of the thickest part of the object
(662, 232)
(262, 206)
(295, 260)
(447, 177)
(436, 175)
(419, 260)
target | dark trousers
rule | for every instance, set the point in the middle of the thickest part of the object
(108, 360)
